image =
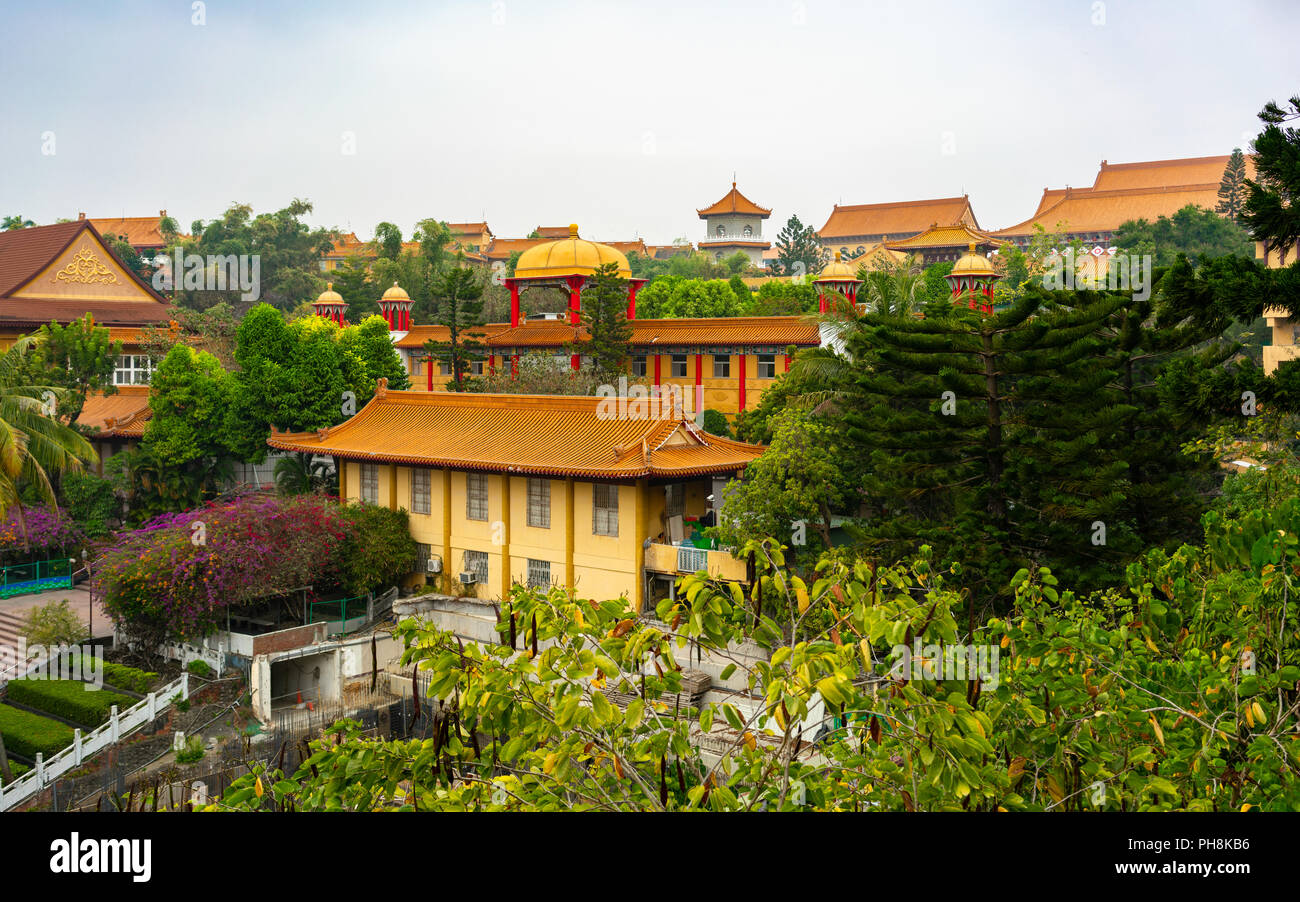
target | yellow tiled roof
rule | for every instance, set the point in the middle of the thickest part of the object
(542, 435)
(958, 235)
(902, 218)
(1089, 210)
(418, 335)
(734, 202)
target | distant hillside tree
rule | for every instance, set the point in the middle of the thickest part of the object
(1271, 213)
(459, 309)
(604, 312)
(1232, 190)
(798, 251)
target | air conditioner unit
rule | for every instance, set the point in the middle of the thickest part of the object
(468, 578)
(433, 565)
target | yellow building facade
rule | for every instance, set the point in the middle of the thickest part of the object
(537, 490)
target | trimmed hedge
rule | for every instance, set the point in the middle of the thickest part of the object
(132, 678)
(70, 699)
(26, 733)
(17, 769)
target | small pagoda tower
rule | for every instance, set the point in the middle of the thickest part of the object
(972, 279)
(837, 280)
(331, 305)
(395, 306)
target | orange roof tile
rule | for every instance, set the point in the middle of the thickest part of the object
(418, 335)
(468, 228)
(1165, 173)
(902, 219)
(138, 231)
(731, 331)
(122, 414)
(734, 202)
(959, 235)
(543, 435)
(1089, 210)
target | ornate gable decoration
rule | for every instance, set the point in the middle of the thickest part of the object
(87, 269)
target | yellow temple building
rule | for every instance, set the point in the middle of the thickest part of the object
(537, 489)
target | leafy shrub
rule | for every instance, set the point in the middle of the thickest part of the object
(91, 502)
(192, 752)
(26, 733)
(200, 669)
(69, 699)
(124, 677)
(54, 623)
(715, 423)
(377, 548)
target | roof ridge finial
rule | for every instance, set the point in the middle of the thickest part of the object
(573, 230)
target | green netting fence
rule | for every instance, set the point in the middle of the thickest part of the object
(35, 576)
(338, 610)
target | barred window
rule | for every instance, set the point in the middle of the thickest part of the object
(476, 496)
(539, 574)
(721, 366)
(604, 510)
(423, 552)
(539, 503)
(476, 562)
(638, 365)
(420, 491)
(370, 483)
(678, 370)
(675, 501)
(767, 366)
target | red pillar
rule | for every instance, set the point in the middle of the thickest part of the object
(740, 365)
(428, 371)
(699, 382)
(821, 302)
(787, 363)
(575, 298)
(514, 365)
(492, 364)
(658, 360)
(575, 361)
(631, 300)
(514, 301)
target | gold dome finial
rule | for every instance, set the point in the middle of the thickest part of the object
(329, 286)
(573, 230)
(837, 256)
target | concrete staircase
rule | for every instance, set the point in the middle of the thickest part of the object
(11, 629)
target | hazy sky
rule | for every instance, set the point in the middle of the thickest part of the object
(622, 117)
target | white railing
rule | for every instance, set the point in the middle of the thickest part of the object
(691, 560)
(185, 653)
(119, 726)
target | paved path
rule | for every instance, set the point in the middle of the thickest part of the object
(13, 612)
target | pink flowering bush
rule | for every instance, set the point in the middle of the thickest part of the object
(176, 576)
(50, 534)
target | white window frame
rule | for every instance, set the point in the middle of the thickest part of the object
(766, 366)
(721, 362)
(677, 366)
(129, 370)
(639, 364)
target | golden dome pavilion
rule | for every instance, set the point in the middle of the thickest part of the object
(572, 256)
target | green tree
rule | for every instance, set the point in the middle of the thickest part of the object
(79, 357)
(460, 310)
(792, 490)
(34, 443)
(1271, 214)
(388, 240)
(799, 253)
(15, 222)
(1232, 189)
(369, 341)
(604, 313)
(189, 396)
(1192, 231)
(982, 436)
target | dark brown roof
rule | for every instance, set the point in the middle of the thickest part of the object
(25, 253)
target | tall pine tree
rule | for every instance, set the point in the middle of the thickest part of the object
(798, 251)
(460, 309)
(604, 313)
(983, 436)
(1232, 190)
